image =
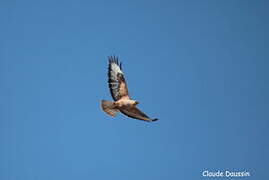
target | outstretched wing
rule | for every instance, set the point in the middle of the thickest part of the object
(116, 81)
(134, 112)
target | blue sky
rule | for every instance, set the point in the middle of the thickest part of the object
(201, 67)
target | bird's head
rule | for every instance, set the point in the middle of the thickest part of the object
(136, 102)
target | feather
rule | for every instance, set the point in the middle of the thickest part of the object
(135, 113)
(116, 80)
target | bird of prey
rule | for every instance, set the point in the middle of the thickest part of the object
(119, 92)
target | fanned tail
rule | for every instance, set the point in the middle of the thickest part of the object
(109, 108)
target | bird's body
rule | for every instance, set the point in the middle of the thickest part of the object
(119, 92)
(125, 102)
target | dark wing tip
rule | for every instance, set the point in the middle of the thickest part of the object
(110, 59)
(151, 120)
(114, 59)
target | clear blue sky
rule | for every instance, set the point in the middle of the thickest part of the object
(201, 67)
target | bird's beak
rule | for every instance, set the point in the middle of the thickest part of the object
(136, 102)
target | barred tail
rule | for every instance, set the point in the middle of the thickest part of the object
(109, 108)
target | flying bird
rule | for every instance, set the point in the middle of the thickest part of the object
(119, 92)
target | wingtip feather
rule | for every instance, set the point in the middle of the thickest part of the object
(114, 59)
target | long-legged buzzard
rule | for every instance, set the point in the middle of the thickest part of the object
(119, 92)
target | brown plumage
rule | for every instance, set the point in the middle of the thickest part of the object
(119, 92)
